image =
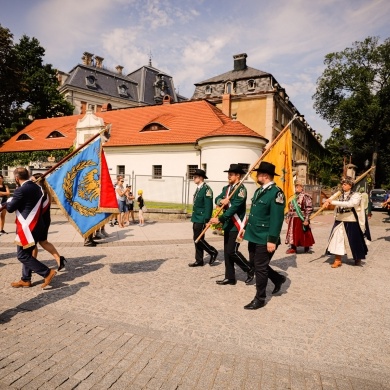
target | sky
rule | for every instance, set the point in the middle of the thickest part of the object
(193, 40)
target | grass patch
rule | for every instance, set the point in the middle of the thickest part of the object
(165, 205)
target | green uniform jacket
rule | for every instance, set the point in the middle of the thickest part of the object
(237, 206)
(266, 216)
(203, 205)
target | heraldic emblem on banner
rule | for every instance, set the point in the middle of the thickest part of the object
(83, 189)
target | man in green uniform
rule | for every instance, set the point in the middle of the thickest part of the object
(233, 220)
(263, 232)
(201, 214)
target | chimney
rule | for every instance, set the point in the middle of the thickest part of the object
(119, 69)
(226, 106)
(240, 61)
(87, 58)
(99, 61)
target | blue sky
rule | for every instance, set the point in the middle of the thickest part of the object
(193, 40)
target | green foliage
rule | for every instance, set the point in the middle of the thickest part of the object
(25, 158)
(31, 87)
(353, 95)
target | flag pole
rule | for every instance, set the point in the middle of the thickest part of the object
(219, 209)
(70, 155)
(336, 194)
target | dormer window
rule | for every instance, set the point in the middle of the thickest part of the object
(155, 126)
(122, 90)
(251, 84)
(229, 87)
(24, 137)
(208, 90)
(55, 134)
(90, 81)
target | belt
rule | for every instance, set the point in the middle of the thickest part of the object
(342, 211)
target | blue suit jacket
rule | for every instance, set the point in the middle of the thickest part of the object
(24, 200)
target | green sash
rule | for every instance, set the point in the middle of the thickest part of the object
(299, 212)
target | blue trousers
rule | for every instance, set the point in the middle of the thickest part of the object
(30, 263)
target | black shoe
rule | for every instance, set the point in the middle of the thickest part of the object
(62, 263)
(213, 257)
(279, 285)
(226, 281)
(250, 276)
(196, 264)
(3, 232)
(111, 224)
(90, 243)
(255, 304)
(116, 223)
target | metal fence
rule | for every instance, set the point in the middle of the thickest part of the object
(174, 189)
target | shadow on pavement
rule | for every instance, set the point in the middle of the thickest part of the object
(136, 266)
(41, 300)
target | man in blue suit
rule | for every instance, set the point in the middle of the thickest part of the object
(27, 205)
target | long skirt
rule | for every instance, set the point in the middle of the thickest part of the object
(296, 235)
(347, 233)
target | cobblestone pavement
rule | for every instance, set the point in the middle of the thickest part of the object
(130, 314)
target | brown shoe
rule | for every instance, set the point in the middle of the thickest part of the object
(48, 278)
(21, 283)
(336, 264)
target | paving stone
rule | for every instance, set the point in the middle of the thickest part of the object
(143, 320)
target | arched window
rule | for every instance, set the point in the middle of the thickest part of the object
(251, 84)
(155, 126)
(229, 87)
(24, 137)
(55, 134)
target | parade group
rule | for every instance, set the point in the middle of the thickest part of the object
(261, 228)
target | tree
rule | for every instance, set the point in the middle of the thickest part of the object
(34, 94)
(353, 95)
(10, 76)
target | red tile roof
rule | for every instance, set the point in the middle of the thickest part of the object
(186, 123)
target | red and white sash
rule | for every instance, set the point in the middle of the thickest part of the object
(25, 226)
(240, 225)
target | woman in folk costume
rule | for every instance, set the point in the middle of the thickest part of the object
(349, 227)
(298, 220)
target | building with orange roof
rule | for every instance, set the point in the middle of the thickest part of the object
(152, 143)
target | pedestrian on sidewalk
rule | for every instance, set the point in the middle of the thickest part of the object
(4, 194)
(121, 193)
(141, 208)
(201, 214)
(349, 226)
(298, 220)
(27, 204)
(46, 204)
(233, 220)
(265, 222)
(130, 205)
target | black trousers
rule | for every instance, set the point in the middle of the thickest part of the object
(202, 245)
(30, 263)
(260, 257)
(233, 256)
